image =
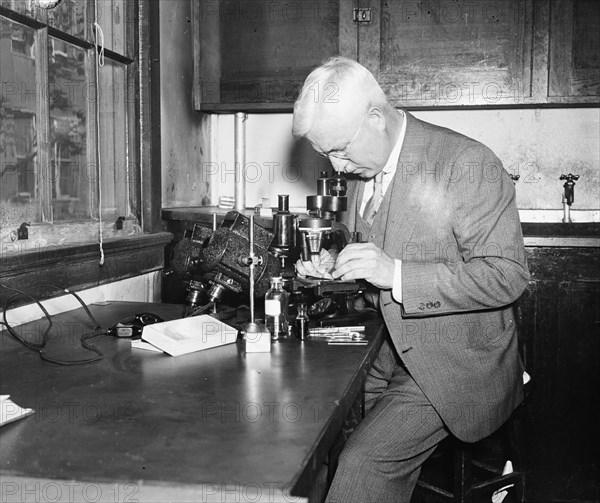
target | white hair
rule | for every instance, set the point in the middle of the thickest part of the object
(340, 82)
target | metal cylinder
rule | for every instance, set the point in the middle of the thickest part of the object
(283, 202)
(284, 229)
(284, 226)
(323, 184)
(240, 160)
(338, 185)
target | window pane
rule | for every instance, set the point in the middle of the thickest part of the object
(25, 7)
(112, 19)
(72, 17)
(76, 18)
(18, 143)
(113, 140)
(72, 177)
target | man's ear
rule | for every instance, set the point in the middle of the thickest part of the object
(377, 118)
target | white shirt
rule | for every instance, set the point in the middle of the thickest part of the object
(388, 170)
(388, 174)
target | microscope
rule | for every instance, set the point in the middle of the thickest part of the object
(212, 263)
(330, 301)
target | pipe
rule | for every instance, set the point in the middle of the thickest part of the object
(240, 160)
(566, 210)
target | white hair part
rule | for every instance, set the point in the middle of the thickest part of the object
(339, 84)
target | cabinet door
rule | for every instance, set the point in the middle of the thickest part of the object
(565, 440)
(558, 324)
(448, 52)
(574, 55)
(255, 55)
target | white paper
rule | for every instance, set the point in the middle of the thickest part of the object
(140, 344)
(187, 335)
(10, 411)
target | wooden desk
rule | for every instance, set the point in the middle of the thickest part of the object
(216, 425)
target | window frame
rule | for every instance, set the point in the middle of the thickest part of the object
(22, 269)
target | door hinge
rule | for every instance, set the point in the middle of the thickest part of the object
(361, 15)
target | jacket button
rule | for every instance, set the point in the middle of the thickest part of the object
(429, 305)
(436, 304)
(421, 306)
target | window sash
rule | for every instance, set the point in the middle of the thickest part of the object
(38, 20)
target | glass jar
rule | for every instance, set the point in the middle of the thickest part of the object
(301, 322)
(276, 308)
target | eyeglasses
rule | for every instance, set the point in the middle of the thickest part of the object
(342, 155)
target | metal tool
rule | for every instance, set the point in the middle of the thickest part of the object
(330, 330)
(257, 335)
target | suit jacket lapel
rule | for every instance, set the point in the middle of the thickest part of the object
(355, 191)
(396, 219)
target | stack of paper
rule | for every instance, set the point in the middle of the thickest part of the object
(179, 337)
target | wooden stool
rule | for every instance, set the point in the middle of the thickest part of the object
(474, 479)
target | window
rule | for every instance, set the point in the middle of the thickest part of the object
(69, 143)
(78, 142)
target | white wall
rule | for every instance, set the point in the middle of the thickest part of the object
(271, 167)
(143, 288)
(538, 144)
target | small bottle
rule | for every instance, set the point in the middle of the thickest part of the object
(276, 308)
(301, 323)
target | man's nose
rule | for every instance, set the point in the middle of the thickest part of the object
(339, 164)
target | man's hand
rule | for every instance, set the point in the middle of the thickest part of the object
(365, 261)
(320, 270)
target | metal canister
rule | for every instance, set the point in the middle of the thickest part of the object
(284, 224)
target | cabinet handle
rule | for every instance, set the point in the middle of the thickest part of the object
(361, 15)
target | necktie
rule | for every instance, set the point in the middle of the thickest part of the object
(373, 204)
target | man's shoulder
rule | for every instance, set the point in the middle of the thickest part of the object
(429, 128)
(443, 139)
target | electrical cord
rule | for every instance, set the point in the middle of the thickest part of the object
(39, 347)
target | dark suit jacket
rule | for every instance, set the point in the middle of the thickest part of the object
(450, 215)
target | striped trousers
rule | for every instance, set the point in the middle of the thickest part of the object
(382, 459)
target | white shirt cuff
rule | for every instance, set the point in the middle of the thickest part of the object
(397, 288)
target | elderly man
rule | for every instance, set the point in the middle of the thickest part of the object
(445, 251)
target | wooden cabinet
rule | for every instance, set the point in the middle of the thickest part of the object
(449, 53)
(574, 51)
(254, 55)
(559, 322)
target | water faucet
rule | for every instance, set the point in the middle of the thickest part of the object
(568, 195)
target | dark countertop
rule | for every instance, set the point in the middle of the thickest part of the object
(588, 229)
(176, 428)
